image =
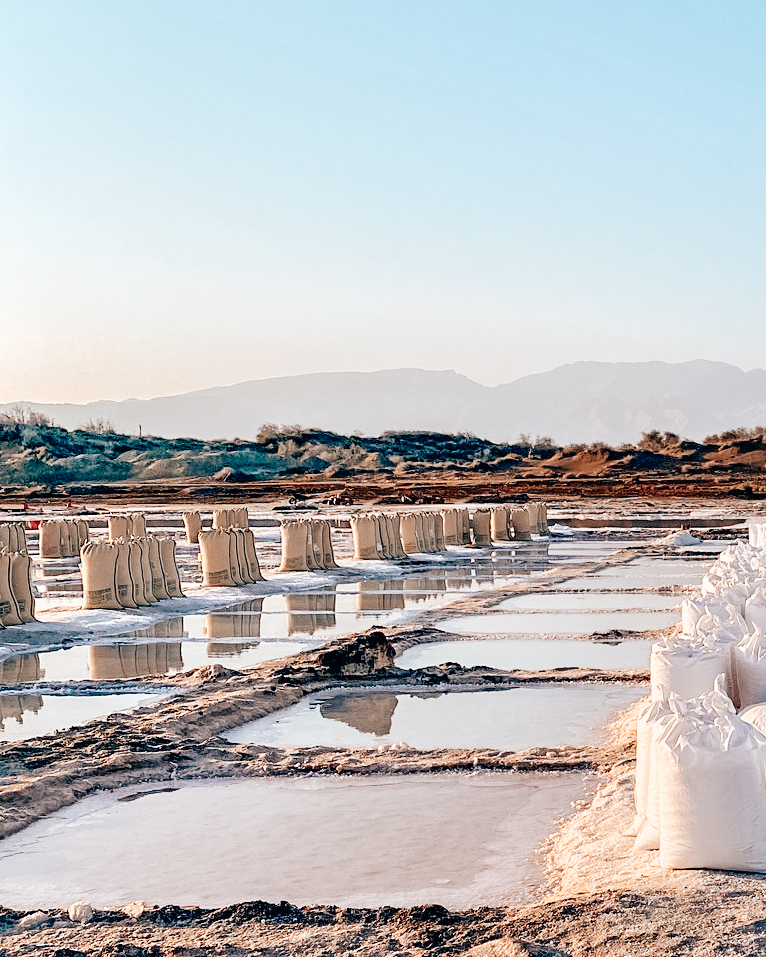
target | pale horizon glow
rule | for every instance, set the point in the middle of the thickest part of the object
(197, 194)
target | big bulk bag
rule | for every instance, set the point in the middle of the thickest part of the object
(712, 791)
(750, 668)
(147, 571)
(9, 611)
(364, 534)
(328, 555)
(119, 527)
(214, 556)
(193, 526)
(21, 585)
(686, 667)
(449, 526)
(499, 524)
(50, 540)
(294, 537)
(136, 571)
(122, 577)
(167, 549)
(251, 557)
(520, 522)
(98, 563)
(481, 529)
(408, 527)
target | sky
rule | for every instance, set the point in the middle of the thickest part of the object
(199, 193)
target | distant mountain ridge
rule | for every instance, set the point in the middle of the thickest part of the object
(612, 402)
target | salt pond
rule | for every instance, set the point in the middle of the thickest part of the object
(543, 716)
(31, 715)
(534, 654)
(556, 601)
(558, 623)
(459, 840)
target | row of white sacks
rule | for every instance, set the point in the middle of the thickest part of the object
(701, 739)
(380, 535)
(63, 537)
(129, 574)
(13, 537)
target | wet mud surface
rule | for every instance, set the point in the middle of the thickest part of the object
(589, 907)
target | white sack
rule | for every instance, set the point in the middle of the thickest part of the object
(98, 564)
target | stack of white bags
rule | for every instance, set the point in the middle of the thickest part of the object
(131, 570)
(17, 602)
(701, 742)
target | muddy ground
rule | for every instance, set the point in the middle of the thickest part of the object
(601, 898)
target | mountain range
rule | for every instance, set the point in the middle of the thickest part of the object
(613, 402)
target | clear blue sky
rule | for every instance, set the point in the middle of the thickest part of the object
(197, 193)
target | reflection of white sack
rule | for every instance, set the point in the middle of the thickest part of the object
(294, 546)
(214, 556)
(122, 578)
(99, 564)
(119, 527)
(193, 526)
(167, 547)
(364, 534)
(685, 667)
(481, 529)
(21, 584)
(712, 791)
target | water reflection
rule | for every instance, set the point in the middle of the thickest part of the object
(221, 649)
(120, 662)
(20, 670)
(380, 595)
(310, 612)
(14, 705)
(370, 714)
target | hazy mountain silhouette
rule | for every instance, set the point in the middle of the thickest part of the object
(581, 402)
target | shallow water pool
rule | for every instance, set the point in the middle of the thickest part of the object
(30, 715)
(460, 840)
(533, 654)
(513, 719)
(557, 601)
(561, 623)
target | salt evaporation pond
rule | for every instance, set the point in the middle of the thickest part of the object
(511, 719)
(459, 840)
(556, 601)
(533, 654)
(558, 623)
(125, 661)
(26, 716)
